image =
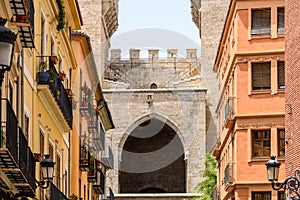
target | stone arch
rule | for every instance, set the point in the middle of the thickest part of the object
(141, 119)
(152, 159)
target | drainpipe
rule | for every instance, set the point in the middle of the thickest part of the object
(69, 165)
(22, 91)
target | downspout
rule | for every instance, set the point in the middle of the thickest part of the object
(22, 91)
(69, 165)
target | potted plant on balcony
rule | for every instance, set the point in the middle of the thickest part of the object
(62, 75)
(43, 75)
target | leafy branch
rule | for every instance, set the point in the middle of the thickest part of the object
(209, 177)
(61, 15)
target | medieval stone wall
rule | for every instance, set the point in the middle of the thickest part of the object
(181, 106)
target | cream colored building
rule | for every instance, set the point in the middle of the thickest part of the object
(37, 92)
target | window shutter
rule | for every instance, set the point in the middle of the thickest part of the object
(281, 74)
(261, 76)
(256, 76)
(280, 21)
(261, 22)
(266, 75)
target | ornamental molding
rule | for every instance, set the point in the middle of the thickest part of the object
(256, 123)
(265, 58)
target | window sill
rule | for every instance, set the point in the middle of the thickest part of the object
(280, 90)
(256, 92)
(259, 159)
(265, 159)
(253, 37)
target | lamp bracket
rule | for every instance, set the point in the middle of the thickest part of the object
(42, 184)
(291, 184)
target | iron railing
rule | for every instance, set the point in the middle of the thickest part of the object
(56, 194)
(228, 174)
(228, 109)
(14, 141)
(108, 159)
(99, 186)
(48, 74)
(85, 157)
(99, 138)
(26, 159)
(86, 103)
(92, 175)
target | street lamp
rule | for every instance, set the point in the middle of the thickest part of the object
(291, 184)
(47, 166)
(7, 41)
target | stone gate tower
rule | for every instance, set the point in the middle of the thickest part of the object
(159, 110)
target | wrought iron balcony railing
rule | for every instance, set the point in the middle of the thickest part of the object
(92, 174)
(85, 157)
(98, 135)
(108, 159)
(99, 185)
(86, 103)
(229, 115)
(16, 158)
(228, 175)
(48, 75)
(56, 194)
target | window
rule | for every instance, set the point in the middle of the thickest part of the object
(280, 20)
(51, 151)
(281, 195)
(58, 171)
(261, 195)
(281, 142)
(26, 127)
(261, 22)
(280, 74)
(42, 144)
(11, 94)
(43, 35)
(261, 143)
(261, 76)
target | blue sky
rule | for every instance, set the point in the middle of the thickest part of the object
(157, 22)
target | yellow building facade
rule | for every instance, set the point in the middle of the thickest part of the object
(39, 96)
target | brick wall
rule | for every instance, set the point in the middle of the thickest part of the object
(292, 77)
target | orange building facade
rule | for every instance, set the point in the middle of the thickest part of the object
(250, 69)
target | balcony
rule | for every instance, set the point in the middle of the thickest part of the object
(85, 157)
(16, 159)
(108, 159)
(56, 194)
(92, 175)
(229, 115)
(93, 126)
(99, 185)
(52, 91)
(216, 193)
(228, 176)
(110, 17)
(23, 18)
(99, 139)
(86, 103)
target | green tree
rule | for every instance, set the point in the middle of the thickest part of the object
(209, 178)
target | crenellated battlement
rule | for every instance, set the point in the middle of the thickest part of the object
(153, 54)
